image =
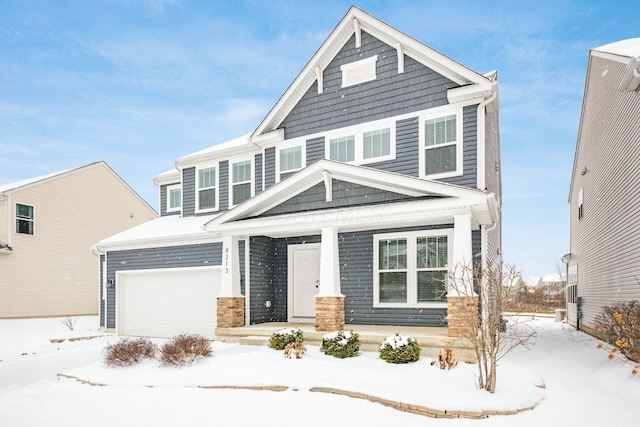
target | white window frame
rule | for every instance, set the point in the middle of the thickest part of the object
(303, 156)
(232, 184)
(434, 114)
(32, 220)
(360, 71)
(581, 203)
(169, 189)
(412, 266)
(358, 133)
(217, 187)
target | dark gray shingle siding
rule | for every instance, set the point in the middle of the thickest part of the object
(188, 191)
(269, 167)
(257, 171)
(223, 185)
(315, 149)
(163, 200)
(391, 94)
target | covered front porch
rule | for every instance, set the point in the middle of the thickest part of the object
(430, 339)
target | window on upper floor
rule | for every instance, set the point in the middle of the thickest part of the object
(24, 219)
(207, 196)
(289, 161)
(363, 145)
(174, 198)
(410, 269)
(240, 182)
(441, 140)
(580, 203)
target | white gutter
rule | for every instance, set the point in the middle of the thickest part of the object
(481, 137)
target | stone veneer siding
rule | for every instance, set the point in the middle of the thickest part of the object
(230, 312)
(329, 314)
(461, 313)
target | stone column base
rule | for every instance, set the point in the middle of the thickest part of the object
(462, 316)
(230, 312)
(329, 314)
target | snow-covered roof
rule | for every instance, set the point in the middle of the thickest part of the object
(163, 230)
(552, 277)
(533, 281)
(19, 184)
(217, 150)
(629, 48)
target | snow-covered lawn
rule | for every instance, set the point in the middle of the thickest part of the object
(582, 386)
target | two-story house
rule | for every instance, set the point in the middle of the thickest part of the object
(47, 225)
(375, 173)
(603, 264)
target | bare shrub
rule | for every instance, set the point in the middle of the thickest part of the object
(69, 322)
(184, 348)
(446, 359)
(127, 352)
(620, 324)
(294, 349)
(486, 329)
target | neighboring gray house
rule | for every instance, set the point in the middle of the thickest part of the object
(603, 265)
(376, 172)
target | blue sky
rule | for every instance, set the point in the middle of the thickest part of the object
(140, 83)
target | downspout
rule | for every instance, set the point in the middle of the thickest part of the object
(481, 135)
(8, 208)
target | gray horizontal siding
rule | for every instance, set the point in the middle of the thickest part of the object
(315, 149)
(261, 279)
(201, 255)
(257, 171)
(345, 194)
(189, 191)
(223, 185)
(163, 200)
(269, 167)
(605, 242)
(100, 292)
(391, 94)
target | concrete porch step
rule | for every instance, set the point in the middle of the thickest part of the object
(254, 340)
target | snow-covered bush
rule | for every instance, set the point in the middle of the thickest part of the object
(399, 349)
(127, 352)
(184, 348)
(341, 344)
(279, 339)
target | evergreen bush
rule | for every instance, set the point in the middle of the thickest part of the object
(279, 339)
(399, 349)
(341, 344)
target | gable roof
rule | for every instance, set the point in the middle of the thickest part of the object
(326, 170)
(7, 189)
(354, 21)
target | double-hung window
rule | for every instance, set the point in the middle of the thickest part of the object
(206, 191)
(441, 140)
(240, 182)
(376, 143)
(411, 268)
(174, 198)
(24, 219)
(289, 161)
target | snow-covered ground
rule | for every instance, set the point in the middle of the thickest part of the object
(583, 388)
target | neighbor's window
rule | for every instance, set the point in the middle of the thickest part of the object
(580, 203)
(241, 182)
(174, 198)
(342, 149)
(411, 268)
(290, 161)
(24, 219)
(207, 188)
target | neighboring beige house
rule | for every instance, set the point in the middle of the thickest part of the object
(47, 227)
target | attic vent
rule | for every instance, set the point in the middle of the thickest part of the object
(359, 71)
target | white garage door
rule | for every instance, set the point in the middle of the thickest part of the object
(168, 302)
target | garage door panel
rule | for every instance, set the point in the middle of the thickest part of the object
(168, 302)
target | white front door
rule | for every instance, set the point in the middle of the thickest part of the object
(304, 276)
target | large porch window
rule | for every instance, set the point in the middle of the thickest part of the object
(410, 269)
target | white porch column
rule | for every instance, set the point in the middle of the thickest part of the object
(462, 256)
(329, 263)
(230, 278)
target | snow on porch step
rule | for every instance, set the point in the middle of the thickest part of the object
(254, 340)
